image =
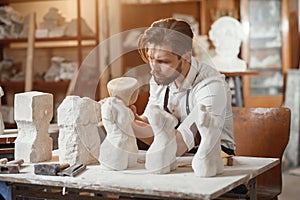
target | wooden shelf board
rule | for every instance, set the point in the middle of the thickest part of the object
(157, 3)
(35, 83)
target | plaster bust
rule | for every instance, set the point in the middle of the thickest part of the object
(125, 88)
(227, 35)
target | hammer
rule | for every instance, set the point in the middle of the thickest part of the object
(11, 167)
(49, 169)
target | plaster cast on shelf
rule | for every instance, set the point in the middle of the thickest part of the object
(33, 113)
(161, 156)
(60, 69)
(53, 24)
(226, 34)
(78, 121)
(11, 22)
(71, 28)
(1, 119)
(119, 149)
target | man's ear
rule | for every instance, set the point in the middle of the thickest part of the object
(187, 56)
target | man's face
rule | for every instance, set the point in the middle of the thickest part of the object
(165, 65)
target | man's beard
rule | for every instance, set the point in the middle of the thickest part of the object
(170, 79)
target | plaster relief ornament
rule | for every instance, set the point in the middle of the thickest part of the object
(161, 156)
(78, 121)
(226, 34)
(119, 150)
(1, 119)
(33, 113)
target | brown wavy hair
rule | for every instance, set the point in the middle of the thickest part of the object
(170, 32)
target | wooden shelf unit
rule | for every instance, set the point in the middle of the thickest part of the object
(44, 48)
(253, 18)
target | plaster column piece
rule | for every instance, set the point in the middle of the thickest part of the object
(33, 113)
(78, 121)
(207, 160)
(125, 88)
(119, 149)
(1, 119)
(161, 156)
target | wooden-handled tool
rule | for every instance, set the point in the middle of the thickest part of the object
(49, 169)
(11, 167)
(73, 170)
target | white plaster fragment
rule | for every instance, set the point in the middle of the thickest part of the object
(33, 113)
(78, 121)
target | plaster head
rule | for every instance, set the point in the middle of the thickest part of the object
(226, 34)
(125, 88)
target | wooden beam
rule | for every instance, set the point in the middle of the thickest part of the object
(30, 53)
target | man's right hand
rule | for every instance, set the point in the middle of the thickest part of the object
(136, 115)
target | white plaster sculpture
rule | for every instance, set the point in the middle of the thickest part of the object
(52, 25)
(71, 28)
(78, 121)
(226, 34)
(207, 160)
(125, 88)
(53, 72)
(161, 156)
(33, 113)
(1, 119)
(60, 69)
(119, 149)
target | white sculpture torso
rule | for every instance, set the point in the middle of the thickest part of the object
(119, 149)
(161, 156)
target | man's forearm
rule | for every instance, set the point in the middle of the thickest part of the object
(143, 131)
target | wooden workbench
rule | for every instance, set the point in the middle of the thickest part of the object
(137, 182)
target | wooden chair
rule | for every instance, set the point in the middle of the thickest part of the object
(263, 132)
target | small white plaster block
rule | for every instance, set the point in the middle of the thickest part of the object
(41, 33)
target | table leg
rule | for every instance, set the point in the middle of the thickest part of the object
(238, 91)
(252, 189)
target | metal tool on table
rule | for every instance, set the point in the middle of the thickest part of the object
(49, 169)
(10, 167)
(73, 170)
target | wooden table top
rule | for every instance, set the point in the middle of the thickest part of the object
(180, 183)
(242, 73)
